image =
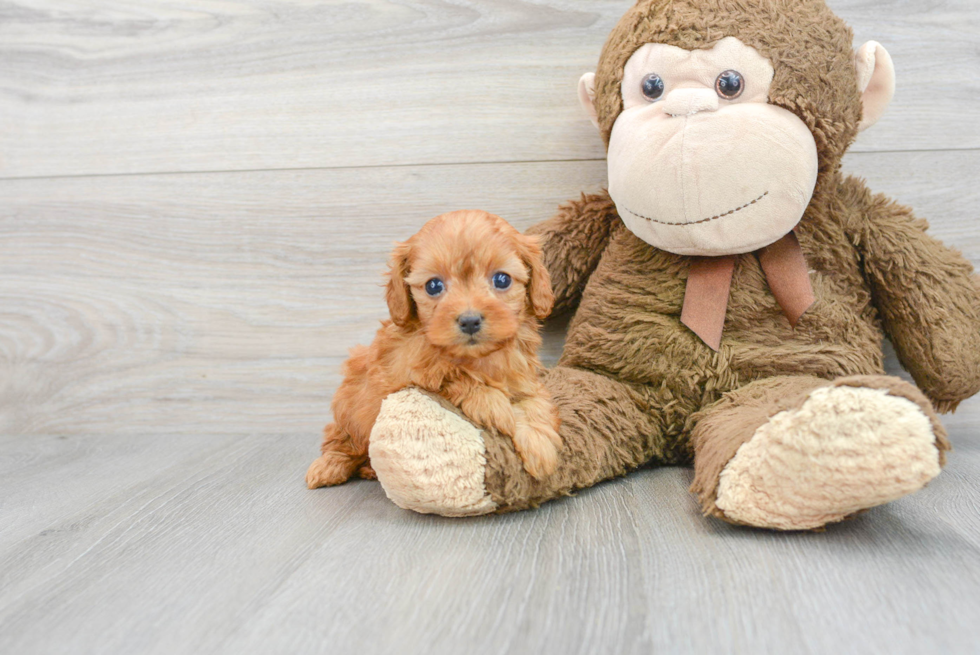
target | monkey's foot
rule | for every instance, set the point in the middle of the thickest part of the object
(428, 458)
(843, 450)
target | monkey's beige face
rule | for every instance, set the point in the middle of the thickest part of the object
(699, 162)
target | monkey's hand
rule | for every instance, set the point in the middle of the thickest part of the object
(928, 298)
(572, 243)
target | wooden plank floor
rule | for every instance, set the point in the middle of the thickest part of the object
(183, 544)
(196, 203)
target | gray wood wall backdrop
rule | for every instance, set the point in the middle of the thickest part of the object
(196, 204)
(196, 199)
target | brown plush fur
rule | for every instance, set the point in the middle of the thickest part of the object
(633, 384)
(493, 374)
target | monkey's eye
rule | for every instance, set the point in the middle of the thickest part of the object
(652, 86)
(730, 84)
(501, 281)
(435, 287)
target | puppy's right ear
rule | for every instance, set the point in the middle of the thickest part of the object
(399, 296)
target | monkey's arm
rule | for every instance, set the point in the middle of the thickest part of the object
(572, 242)
(926, 293)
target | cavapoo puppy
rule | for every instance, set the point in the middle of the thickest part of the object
(465, 295)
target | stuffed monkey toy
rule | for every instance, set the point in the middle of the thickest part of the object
(730, 291)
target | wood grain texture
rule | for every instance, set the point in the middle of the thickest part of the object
(163, 86)
(224, 303)
(189, 545)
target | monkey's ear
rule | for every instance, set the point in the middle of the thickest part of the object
(399, 296)
(539, 293)
(876, 81)
(586, 95)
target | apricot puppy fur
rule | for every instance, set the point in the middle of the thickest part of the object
(465, 296)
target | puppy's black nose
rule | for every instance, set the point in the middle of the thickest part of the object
(470, 322)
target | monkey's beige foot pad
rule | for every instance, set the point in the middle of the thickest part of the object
(843, 450)
(428, 458)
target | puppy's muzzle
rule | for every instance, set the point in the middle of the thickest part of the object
(470, 323)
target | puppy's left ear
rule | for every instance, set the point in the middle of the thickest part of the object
(399, 296)
(539, 293)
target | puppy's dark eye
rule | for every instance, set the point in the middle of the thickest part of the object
(652, 86)
(434, 287)
(730, 85)
(501, 281)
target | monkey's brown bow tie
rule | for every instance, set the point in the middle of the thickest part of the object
(710, 279)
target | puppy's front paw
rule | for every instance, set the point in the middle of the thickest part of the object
(329, 469)
(490, 408)
(503, 422)
(538, 447)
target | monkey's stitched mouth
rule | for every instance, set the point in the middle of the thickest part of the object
(703, 220)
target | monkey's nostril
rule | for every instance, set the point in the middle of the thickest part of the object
(469, 323)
